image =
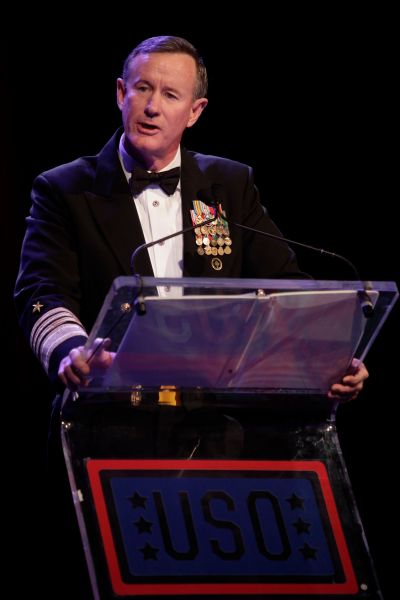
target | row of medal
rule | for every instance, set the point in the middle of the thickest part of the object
(212, 239)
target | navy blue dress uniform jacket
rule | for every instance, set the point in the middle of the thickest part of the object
(83, 227)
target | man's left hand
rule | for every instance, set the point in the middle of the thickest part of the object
(351, 384)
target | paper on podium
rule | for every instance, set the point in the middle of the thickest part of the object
(302, 340)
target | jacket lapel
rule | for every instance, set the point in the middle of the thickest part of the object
(192, 180)
(114, 211)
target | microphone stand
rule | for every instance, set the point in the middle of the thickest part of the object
(365, 301)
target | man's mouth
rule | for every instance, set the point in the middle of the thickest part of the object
(148, 127)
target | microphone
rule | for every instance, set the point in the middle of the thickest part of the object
(364, 299)
(138, 302)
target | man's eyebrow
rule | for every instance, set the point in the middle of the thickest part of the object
(140, 80)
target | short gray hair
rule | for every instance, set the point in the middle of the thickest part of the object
(172, 44)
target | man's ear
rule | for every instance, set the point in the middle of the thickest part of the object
(197, 108)
(121, 90)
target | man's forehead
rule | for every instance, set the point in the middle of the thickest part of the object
(163, 63)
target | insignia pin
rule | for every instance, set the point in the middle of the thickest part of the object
(36, 307)
(216, 264)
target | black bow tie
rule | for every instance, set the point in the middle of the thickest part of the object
(167, 180)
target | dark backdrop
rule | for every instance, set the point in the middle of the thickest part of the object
(308, 100)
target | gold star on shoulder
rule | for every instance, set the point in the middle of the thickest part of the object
(36, 307)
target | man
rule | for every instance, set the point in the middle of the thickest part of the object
(88, 216)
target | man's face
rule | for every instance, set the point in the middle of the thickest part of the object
(157, 105)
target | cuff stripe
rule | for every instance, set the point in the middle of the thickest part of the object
(51, 330)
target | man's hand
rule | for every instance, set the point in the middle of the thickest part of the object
(74, 369)
(351, 384)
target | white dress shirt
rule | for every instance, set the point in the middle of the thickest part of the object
(160, 215)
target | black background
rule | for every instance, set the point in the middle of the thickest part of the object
(308, 99)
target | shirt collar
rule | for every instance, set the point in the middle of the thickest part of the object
(128, 162)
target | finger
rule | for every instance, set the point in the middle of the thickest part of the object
(100, 345)
(356, 363)
(81, 368)
(77, 358)
(103, 342)
(95, 349)
(62, 377)
(106, 343)
(61, 371)
(75, 352)
(343, 397)
(359, 377)
(67, 381)
(339, 388)
(73, 374)
(352, 380)
(358, 370)
(101, 357)
(107, 358)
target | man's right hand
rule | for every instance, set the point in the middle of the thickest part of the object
(76, 368)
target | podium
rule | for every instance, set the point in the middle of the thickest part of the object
(205, 461)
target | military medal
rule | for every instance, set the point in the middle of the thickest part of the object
(213, 239)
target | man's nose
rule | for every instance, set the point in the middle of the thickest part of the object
(153, 106)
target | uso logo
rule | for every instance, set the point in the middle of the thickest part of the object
(251, 527)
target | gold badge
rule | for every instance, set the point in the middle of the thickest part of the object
(36, 307)
(216, 264)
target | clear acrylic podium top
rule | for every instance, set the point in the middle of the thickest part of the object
(250, 335)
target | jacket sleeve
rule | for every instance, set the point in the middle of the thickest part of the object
(47, 291)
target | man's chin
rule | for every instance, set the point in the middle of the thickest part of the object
(147, 143)
(141, 146)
